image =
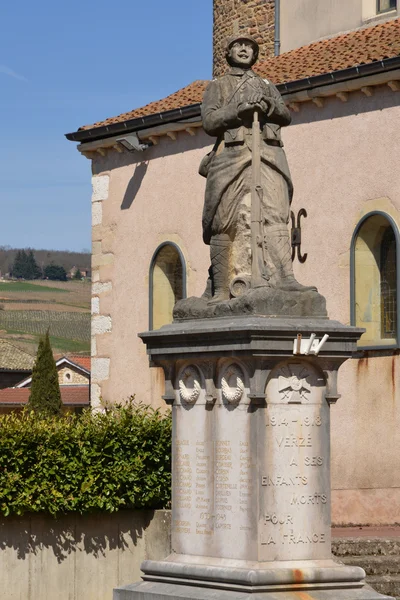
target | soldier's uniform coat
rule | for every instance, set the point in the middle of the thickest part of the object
(228, 166)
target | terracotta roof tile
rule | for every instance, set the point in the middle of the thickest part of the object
(77, 359)
(82, 361)
(70, 395)
(336, 53)
(190, 94)
(14, 359)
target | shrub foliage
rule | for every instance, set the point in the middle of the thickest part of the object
(95, 461)
(55, 273)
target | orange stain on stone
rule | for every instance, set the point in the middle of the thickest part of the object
(362, 364)
(298, 575)
(304, 596)
(393, 378)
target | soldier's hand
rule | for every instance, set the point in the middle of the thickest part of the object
(256, 97)
(246, 109)
(265, 106)
(270, 106)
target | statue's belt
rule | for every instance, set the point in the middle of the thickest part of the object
(242, 142)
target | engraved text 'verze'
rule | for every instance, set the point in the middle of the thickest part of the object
(295, 482)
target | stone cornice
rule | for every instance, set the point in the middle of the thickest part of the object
(342, 90)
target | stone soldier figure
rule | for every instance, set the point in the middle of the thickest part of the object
(228, 107)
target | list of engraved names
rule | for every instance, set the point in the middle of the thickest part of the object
(214, 488)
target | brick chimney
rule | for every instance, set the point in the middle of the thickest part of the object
(255, 17)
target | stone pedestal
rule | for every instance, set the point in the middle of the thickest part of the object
(251, 461)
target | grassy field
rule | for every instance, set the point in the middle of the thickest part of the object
(27, 310)
(69, 293)
(23, 286)
(29, 343)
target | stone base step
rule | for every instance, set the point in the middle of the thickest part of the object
(386, 584)
(342, 547)
(153, 590)
(375, 565)
(376, 550)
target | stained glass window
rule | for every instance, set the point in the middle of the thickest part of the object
(385, 5)
(167, 284)
(375, 282)
(388, 285)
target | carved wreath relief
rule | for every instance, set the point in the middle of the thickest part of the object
(189, 385)
(232, 384)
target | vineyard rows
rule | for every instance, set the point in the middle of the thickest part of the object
(69, 325)
(25, 301)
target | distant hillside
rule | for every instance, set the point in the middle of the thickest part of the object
(45, 257)
(29, 309)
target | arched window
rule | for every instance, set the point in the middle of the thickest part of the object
(167, 283)
(374, 281)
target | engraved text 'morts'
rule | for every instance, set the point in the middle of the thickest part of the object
(295, 481)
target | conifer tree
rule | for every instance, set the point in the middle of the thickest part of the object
(25, 266)
(78, 274)
(45, 397)
(32, 269)
(18, 268)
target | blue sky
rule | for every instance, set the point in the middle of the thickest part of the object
(66, 64)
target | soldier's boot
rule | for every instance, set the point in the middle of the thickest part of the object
(207, 294)
(220, 249)
(280, 252)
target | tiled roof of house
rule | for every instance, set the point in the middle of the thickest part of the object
(14, 359)
(343, 51)
(77, 359)
(191, 94)
(336, 53)
(71, 395)
(82, 361)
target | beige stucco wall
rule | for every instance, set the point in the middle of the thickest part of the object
(305, 21)
(166, 206)
(78, 556)
(343, 159)
(344, 162)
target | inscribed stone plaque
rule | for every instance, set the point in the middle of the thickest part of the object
(214, 507)
(295, 482)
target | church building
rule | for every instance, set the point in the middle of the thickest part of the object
(337, 66)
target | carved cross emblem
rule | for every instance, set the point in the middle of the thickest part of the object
(293, 386)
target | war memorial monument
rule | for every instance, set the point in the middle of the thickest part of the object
(250, 372)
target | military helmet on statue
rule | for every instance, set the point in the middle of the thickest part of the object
(236, 37)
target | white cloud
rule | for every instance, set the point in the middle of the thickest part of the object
(7, 71)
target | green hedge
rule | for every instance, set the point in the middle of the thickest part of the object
(101, 461)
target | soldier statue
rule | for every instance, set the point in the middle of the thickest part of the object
(230, 105)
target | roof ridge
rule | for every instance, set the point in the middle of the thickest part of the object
(343, 34)
(361, 28)
(149, 104)
(342, 51)
(2, 340)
